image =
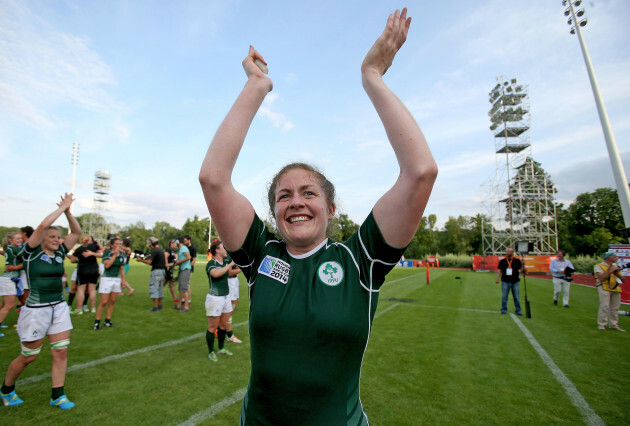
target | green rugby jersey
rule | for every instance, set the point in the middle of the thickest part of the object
(12, 257)
(114, 270)
(44, 273)
(218, 286)
(309, 322)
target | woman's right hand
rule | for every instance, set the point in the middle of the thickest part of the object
(252, 70)
(66, 202)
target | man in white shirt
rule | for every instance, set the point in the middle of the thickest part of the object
(558, 268)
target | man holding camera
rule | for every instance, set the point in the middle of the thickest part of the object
(157, 260)
(561, 270)
(609, 280)
(509, 268)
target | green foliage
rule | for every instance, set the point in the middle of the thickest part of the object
(342, 227)
(592, 222)
(455, 260)
(138, 235)
(198, 230)
(585, 263)
(4, 230)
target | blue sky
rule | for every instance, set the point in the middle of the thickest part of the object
(143, 85)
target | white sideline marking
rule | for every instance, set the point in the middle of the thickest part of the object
(590, 417)
(211, 411)
(110, 358)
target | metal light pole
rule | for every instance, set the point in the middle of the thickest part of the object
(621, 181)
(75, 161)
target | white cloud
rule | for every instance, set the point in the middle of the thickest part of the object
(277, 119)
(41, 66)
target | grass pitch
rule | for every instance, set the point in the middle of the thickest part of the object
(438, 354)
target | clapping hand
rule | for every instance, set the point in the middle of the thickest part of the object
(382, 53)
(66, 202)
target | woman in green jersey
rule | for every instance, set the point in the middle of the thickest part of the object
(110, 286)
(218, 303)
(46, 312)
(312, 300)
(12, 266)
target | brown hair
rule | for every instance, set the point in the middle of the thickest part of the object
(327, 186)
(214, 246)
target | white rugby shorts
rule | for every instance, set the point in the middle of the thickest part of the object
(36, 323)
(233, 284)
(217, 305)
(110, 285)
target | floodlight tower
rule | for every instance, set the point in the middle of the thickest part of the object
(519, 198)
(98, 225)
(75, 162)
(577, 17)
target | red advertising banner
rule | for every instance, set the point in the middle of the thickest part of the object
(533, 264)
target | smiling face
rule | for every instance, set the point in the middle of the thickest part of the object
(16, 240)
(116, 245)
(52, 239)
(301, 210)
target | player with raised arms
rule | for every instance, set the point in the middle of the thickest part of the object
(46, 312)
(312, 300)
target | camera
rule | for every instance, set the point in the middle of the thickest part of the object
(139, 254)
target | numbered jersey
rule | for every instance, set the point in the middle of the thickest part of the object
(310, 318)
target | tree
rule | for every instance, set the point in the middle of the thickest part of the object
(455, 236)
(164, 232)
(198, 231)
(588, 216)
(530, 195)
(138, 235)
(342, 227)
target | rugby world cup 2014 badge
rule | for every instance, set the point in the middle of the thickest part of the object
(330, 273)
(275, 268)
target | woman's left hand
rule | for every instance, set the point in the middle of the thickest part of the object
(382, 53)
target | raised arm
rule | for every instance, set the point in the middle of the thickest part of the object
(399, 210)
(231, 212)
(62, 207)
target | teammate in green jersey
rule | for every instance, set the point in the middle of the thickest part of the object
(218, 302)
(46, 312)
(114, 259)
(11, 244)
(312, 300)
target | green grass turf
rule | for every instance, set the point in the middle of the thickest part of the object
(443, 356)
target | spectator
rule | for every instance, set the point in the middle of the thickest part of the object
(508, 273)
(609, 280)
(561, 270)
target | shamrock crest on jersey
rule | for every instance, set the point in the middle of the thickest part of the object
(330, 273)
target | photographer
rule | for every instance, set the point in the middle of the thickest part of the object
(561, 270)
(157, 260)
(609, 281)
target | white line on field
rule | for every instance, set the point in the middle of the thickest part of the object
(211, 411)
(590, 417)
(107, 359)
